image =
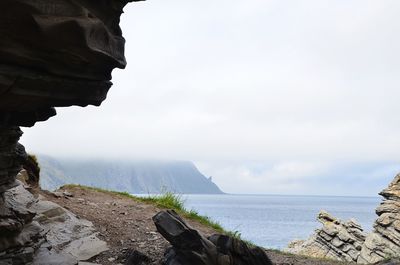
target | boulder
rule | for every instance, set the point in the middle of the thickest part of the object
(46, 234)
(335, 240)
(190, 247)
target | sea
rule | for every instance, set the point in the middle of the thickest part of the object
(272, 221)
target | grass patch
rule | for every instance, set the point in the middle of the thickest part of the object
(169, 200)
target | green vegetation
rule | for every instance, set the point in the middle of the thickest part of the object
(169, 200)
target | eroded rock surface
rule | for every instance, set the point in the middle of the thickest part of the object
(190, 247)
(347, 241)
(336, 240)
(56, 53)
(12, 155)
(384, 241)
(52, 54)
(51, 235)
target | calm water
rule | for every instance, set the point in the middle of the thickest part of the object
(273, 221)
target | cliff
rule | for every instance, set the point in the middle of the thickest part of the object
(131, 176)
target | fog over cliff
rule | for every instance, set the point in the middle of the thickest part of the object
(266, 96)
(135, 177)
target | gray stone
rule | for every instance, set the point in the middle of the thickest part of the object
(337, 242)
(384, 241)
(86, 248)
(52, 227)
(45, 256)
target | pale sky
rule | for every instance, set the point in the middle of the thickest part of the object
(288, 97)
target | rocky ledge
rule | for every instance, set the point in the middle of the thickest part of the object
(336, 240)
(346, 241)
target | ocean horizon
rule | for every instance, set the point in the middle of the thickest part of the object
(273, 221)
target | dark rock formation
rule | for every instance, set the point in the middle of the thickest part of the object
(135, 257)
(12, 155)
(32, 167)
(52, 54)
(336, 240)
(56, 53)
(384, 241)
(190, 247)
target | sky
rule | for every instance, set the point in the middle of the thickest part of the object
(265, 96)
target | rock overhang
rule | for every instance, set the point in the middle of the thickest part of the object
(57, 54)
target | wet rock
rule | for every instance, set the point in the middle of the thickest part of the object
(190, 247)
(336, 240)
(384, 241)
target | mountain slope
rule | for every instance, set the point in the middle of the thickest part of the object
(133, 177)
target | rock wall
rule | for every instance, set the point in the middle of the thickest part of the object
(52, 54)
(384, 241)
(335, 240)
(56, 53)
(12, 154)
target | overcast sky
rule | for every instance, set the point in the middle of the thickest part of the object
(289, 97)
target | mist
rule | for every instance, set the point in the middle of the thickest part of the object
(282, 97)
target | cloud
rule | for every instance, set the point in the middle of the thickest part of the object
(294, 85)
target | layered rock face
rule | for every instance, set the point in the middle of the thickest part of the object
(336, 240)
(12, 154)
(384, 241)
(347, 241)
(56, 53)
(52, 54)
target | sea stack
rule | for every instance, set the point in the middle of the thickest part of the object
(384, 241)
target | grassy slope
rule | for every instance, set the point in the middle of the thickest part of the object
(173, 201)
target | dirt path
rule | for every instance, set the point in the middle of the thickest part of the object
(126, 225)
